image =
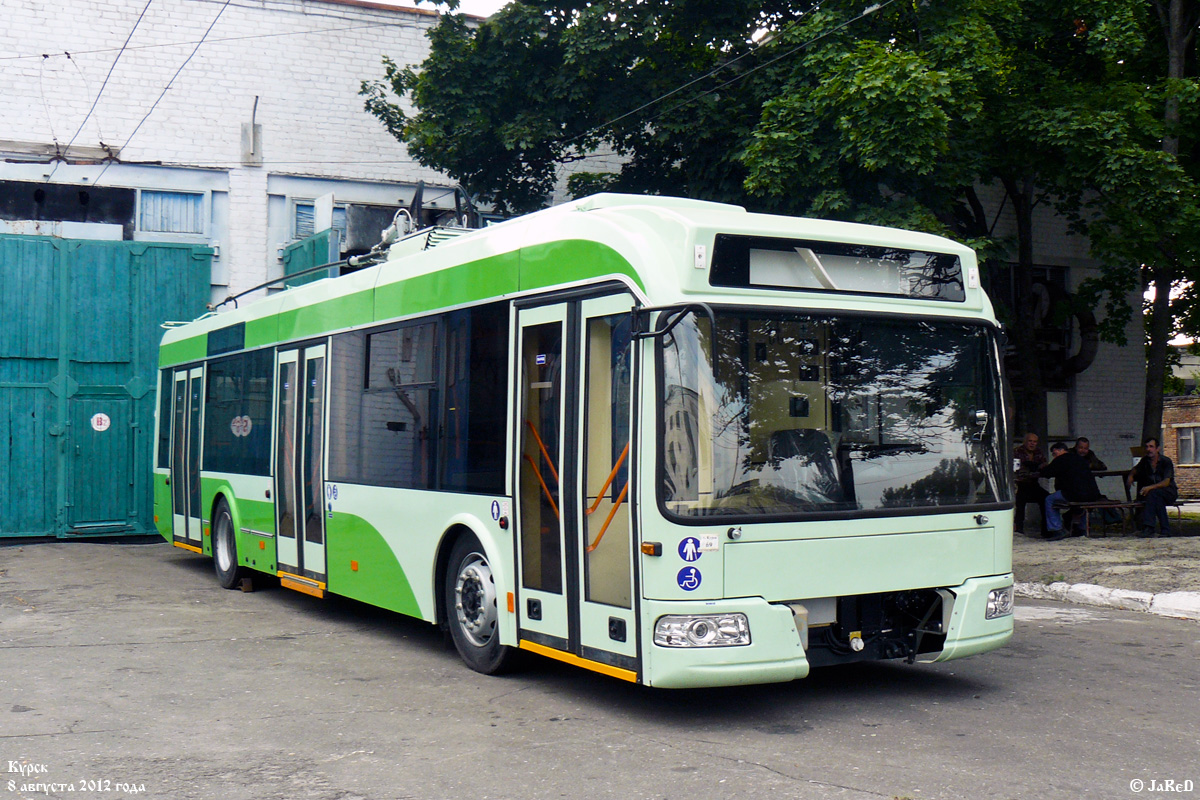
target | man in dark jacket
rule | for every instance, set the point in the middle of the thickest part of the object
(1073, 483)
(1155, 476)
(1084, 448)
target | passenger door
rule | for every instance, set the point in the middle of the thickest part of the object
(186, 407)
(604, 525)
(540, 514)
(574, 460)
(299, 466)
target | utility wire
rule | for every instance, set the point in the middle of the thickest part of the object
(694, 81)
(222, 163)
(88, 116)
(45, 102)
(222, 39)
(865, 13)
(166, 88)
(87, 89)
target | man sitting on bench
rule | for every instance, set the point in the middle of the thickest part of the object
(1073, 483)
(1155, 476)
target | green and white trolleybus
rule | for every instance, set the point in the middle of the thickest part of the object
(666, 440)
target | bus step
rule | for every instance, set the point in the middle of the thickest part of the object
(302, 585)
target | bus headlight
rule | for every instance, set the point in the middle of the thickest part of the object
(702, 630)
(1000, 603)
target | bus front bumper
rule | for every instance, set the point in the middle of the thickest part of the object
(775, 653)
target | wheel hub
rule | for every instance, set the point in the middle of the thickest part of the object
(224, 557)
(475, 601)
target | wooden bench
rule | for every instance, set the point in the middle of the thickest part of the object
(1131, 506)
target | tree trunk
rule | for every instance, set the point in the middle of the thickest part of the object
(1030, 395)
(1178, 19)
(1156, 354)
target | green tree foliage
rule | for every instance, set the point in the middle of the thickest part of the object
(892, 115)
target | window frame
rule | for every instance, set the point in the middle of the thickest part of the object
(294, 205)
(143, 235)
(438, 478)
(991, 355)
(1191, 430)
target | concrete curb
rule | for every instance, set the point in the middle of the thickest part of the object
(1184, 605)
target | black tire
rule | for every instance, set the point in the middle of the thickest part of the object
(472, 609)
(224, 548)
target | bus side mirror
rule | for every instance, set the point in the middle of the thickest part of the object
(669, 318)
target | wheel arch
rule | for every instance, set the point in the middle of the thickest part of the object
(223, 493)
(467, 525)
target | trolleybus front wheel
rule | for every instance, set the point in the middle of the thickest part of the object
(471, 608)
(224, 546)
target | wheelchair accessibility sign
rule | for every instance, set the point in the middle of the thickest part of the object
(689, 579)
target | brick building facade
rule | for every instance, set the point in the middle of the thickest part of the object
(1181, 434)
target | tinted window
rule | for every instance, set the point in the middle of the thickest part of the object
(227, 339)
(475, 399)
(826, 414)
(383, 405)
(772, 263)
(397, 420)
(164, 420)
(237, 414)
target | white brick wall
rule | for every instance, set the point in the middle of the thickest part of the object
(303, 59)
(1109, 398)
(247, 245)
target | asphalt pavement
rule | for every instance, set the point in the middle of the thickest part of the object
(1115, 569)
(126, 672)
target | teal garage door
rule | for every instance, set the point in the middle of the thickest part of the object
(80, 323)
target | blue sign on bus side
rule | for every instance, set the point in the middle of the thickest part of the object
(689, 549)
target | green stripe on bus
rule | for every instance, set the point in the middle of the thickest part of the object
(531, 268)
(262, 331)
(183, 351)
(162, 506)
(572, 260)
(379, 580)
(465, 283)
(330, 315)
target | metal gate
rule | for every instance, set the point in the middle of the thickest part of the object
(79, 333)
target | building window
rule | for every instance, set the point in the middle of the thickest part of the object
(171, 212)
(1058, 417)
(1187, 444)
(306, 217)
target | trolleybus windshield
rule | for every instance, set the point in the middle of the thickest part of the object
(824, 414)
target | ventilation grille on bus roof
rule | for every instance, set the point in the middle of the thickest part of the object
(442, 235)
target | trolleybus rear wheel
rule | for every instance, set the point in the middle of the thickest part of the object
(224, 547)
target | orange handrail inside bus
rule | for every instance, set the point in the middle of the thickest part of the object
(611, 475)
(545, 488)
(549, 460)
(611, 514)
